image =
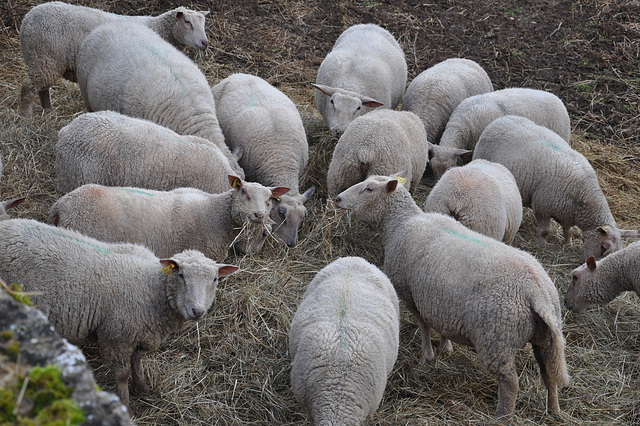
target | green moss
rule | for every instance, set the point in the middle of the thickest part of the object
(50, 396)
(6, 335)
(15, 290)
(13, 349)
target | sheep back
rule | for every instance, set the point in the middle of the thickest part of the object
(560, 184)
(112, 149)
(483, 196)
(381, 142)
(129, 69)
(365, 67)
(344, 342)
(437, 91)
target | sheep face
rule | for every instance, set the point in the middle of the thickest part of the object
(366, 199)
(189, 28)
(195, 282)
(579, 294)
(288, 213)
(9, 204)
(343, 107)
(604, 240)
(443, 158)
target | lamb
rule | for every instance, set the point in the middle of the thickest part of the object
(483, 196)
(472, 289)
(381, 142)
(437, 91)
(120, 295)
(112, 149)
(365, 69)
(555, 181)
(473, 114)
(344, 341)
(129, 69)
(598, 284)
(266, 125)
(51, 35)
(171, 221)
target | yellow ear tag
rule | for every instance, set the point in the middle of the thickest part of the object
(277, 199)
(402, 180)
(168, 269)
(236, 183)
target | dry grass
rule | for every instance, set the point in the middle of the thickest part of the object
(233, 367)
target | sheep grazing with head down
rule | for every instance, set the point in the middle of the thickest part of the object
(555, 180)
(129, 69)
(51, 35)
(598, 283)
(365, 69)
(483, 196)
(381, 142)
(170, 221)
(472, 115)
(112, 149)
(437, 91)
(120, 295)
(343, 342)
(266, 125)
(472, 289)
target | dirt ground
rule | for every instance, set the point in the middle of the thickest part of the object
(233, 367)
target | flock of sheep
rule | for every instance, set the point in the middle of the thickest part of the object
(167, 174)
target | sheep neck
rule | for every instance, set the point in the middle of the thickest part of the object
(400, 207)
(621, 272)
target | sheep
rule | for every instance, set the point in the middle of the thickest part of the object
(381, 142)
(129, 69)
(598, 283)
(344, 341)
(473, 114)
(120, 295)
(437, 91)
(51, 35)
(472, 289)
(266, 124)
(170, 221)
(365, 69)
(112, 149)
(483, 196)
(555, 181)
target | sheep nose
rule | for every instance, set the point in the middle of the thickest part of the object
(258, 217)
(197, 313)
(204, 44)
(338, 199)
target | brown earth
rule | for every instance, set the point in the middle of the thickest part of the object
(233, 367)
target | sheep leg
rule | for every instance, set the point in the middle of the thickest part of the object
(502, 365)
(566, 232)
(542, 355)
(425, 332)
(140, 387)
(121, 373)
(45, 98)
(26, 97)
(544, 226)
(445, 345)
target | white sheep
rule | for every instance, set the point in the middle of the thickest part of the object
(343, 342)
(129, 69)
(266, 125)
(171, 221)
(437, 91)
(555, 180)
(473, 114)
(472, 289)
(112, 149)
(365, 69)
(51, 35)
(381, 142)
(598, 283)
(120, 295)
(483, 196)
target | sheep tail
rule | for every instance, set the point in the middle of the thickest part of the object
(554, 360)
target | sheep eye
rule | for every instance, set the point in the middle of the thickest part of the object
(358, 109)
(243, 191)
(367, 189)
(331, 101)
(282, 212)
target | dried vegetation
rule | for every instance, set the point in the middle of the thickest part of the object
(233, 367)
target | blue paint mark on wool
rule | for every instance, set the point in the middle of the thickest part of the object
(158, 54)
(252, 102)
(97, 248)
(464, 236)
(551, 145)
(137, 191)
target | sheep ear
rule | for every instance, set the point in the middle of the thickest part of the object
(327, 90)
(372, 104)
(227, 270)
(628, 232)
(168, 266)
(9, 204)
(466, 156)
(237, 153)
(308, 194)
(281, 190)
(179, 15)
(235, 181)
(391, 185)
(203, 12)
(591, 263)
(603, 230)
